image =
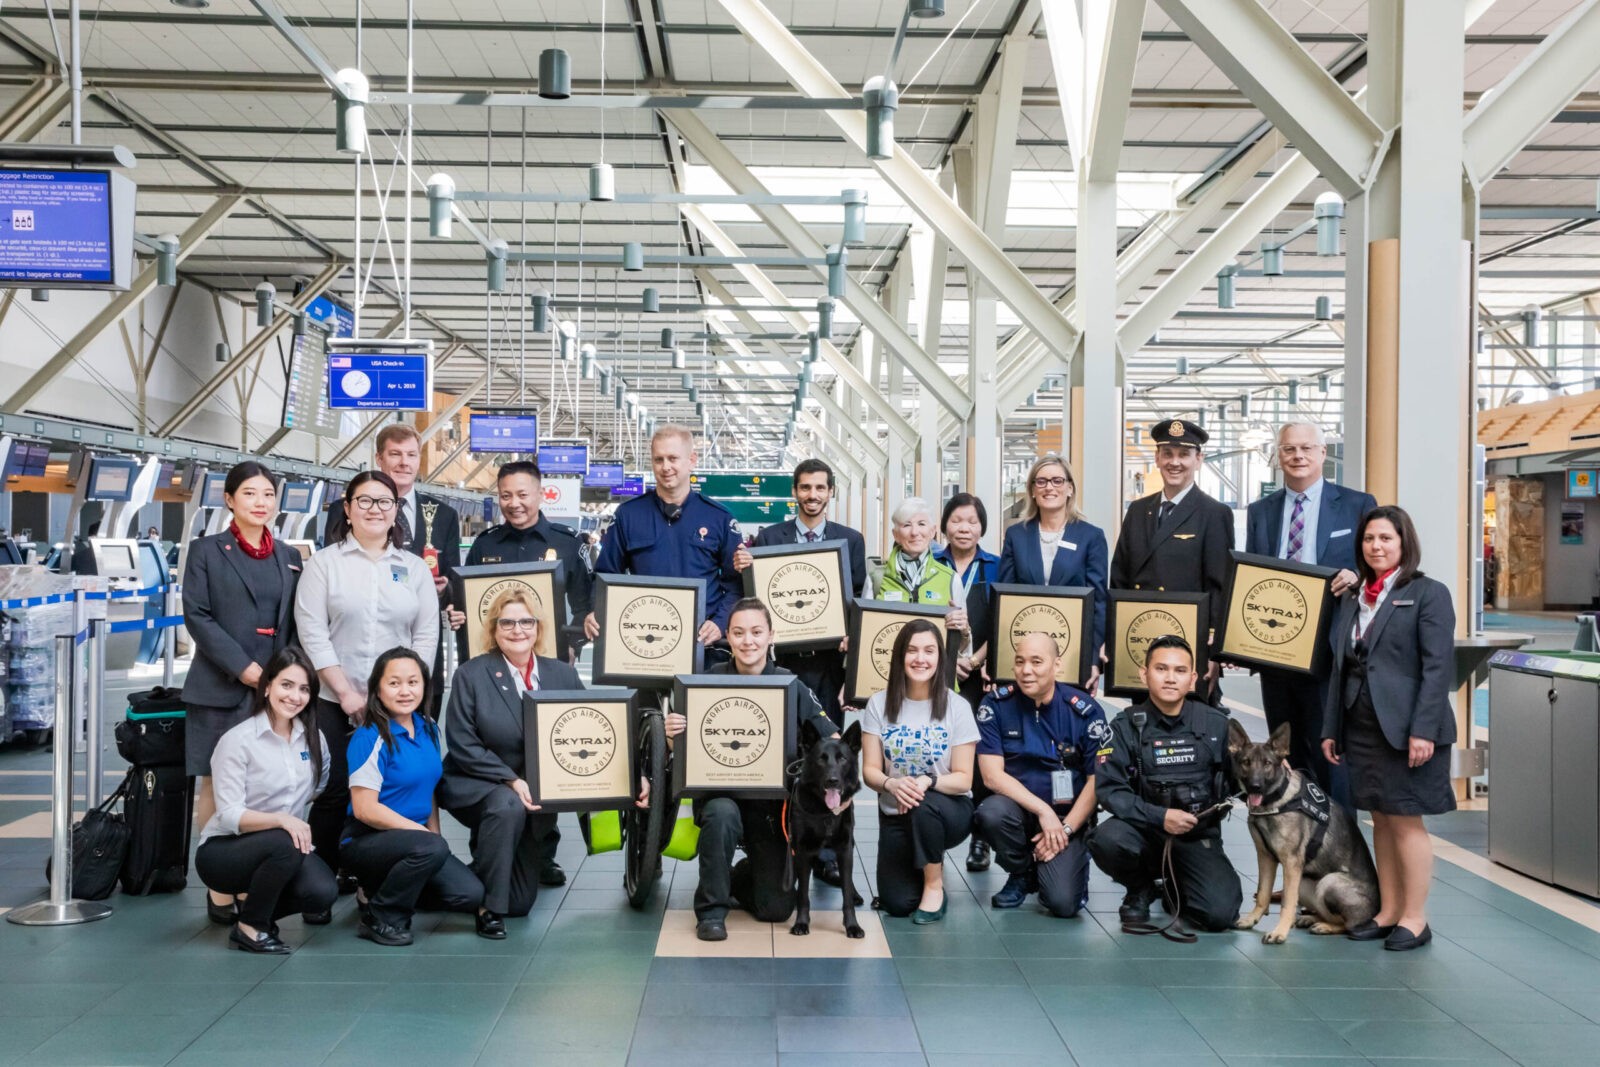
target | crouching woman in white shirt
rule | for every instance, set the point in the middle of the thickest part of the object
(265, 772)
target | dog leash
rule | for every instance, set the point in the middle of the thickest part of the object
(1174, 930)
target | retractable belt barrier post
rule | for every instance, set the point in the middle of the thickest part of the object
(95, 706)
(59, 909)
(169, 640)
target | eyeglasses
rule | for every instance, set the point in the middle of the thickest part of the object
(508, 625)
(1297, 450)
(1053, 483)
(374, 503)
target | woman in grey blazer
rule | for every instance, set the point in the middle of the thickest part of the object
(484, 785)
(238, 596)
(1389, 715)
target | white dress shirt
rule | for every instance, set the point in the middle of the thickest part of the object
(801, 529)
(254, 769)
(1175, 500)
(516, 674)
(351, 608)
(1364, 611)
(1308, 519)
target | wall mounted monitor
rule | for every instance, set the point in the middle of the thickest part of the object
(211, 493)
(111, 478)
(379, 376)
(503, 431)
(66, 229)
(603, 475)
(27, 459)
(296, 497)
(633, 485)
(557, 458)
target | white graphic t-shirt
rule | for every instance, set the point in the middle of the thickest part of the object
(916, 744)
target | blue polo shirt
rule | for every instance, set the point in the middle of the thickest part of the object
(405, 775)
(1031, 736)
(700, 543)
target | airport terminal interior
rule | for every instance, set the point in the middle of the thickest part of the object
(926, 242)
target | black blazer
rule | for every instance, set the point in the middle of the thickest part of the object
(788, 533)
(446, 534)
(1080, 561)
(213, 585)
(1410, 663)
(483, 726)
(1190, 554)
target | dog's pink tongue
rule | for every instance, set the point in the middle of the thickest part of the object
(1255, 800)
(832, 798)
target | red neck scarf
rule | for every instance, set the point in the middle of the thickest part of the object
(526, 672)
(254, 553)
(1370, 591)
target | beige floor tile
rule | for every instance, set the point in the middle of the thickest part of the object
(827, 940)
(35, 825)
(746, 937)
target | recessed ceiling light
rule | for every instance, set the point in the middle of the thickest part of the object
(196, 4)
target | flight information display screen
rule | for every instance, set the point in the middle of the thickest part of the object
(603, 475)
(55, 226)
(503, 431)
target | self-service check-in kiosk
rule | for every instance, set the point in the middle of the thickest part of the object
(298, 502)
(122, 485)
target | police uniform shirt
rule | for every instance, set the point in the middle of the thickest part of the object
(700, 543)
(1190, 747)
(505, 543)
(1031, 737)
(255, 769)
(405, 776)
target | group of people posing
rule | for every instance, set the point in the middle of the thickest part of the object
(323, 759)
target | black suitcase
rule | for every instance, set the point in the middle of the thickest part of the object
(159, 808)
(153, 733)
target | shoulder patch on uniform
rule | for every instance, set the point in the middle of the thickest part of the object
(1100, 732)
(1082, 705)
(986, 712)
(1001, 692)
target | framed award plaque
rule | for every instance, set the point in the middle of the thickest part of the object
(807, 589)
(739, 738)
(1066, 613)
(874, 624)
(580, 748)
(1279, 612)
(475, 589)
(1136, 617)
(648, 629)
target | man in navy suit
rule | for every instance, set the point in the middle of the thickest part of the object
(1311, 520)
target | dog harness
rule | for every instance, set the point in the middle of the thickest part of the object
(1313, 803)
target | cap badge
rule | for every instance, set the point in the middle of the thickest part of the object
(1176, 428)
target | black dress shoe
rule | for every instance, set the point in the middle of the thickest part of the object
(1368, 931)
(317, 918)
(827, 871)
(979, 855)
(1136, 903)
(491, 926)
(263, 943)
(1403, 940)
(221, 914)
(711, 930)
(552, 875)
(348, 883)
(384, 934)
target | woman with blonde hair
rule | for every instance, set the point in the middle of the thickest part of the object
(1055, 545)
(484, 785)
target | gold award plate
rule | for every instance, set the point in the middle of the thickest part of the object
(874, 625)
(648, 629)
(476, 588)
(580, 748)
(1063, 612)
(1134, 619)
(1278, 614)
(805, 588)
(737, 734)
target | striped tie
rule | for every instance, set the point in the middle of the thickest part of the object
(1297, 528)
(811, 537)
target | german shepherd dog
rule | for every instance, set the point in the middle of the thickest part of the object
(1326, 865)
(821, 816)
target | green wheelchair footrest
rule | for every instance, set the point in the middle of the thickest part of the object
(684, 844)
(603, 831)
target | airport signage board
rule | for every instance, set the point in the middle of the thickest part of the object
(376, 380)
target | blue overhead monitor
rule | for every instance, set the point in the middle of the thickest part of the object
(375, 379)
(565, 458)
(503, 431)
(633, 485)
(27, 460)
(65, 229)
(603, 476)
(111, 478)
(296, 497)
(339, 321)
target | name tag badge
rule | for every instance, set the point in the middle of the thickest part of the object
(1070, 546)
(494, 559)
(893, 594)
(1339, 533)
(1013, 734)
(1179, 752)
(1061, 791)
(1404, 603)
(397, 573)
(305, 757)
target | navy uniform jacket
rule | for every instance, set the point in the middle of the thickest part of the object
(507, 544)
(1036, 739)
(1338, 514)
(1080, 560)
(216, 609)
(700, 544)
(1190, 747)
(1410, 662)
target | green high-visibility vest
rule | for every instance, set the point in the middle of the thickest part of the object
(938, 583)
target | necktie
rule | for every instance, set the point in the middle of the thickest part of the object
(1297, 528)
(1164, 511)
(811, 537)
(403, 523)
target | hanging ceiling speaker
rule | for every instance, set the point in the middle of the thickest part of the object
(555, 74)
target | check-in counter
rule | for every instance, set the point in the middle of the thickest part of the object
(120, 561)
(1544, 779)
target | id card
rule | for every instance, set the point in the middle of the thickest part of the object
(1061, 791)
(397, 573)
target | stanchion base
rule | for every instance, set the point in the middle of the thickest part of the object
(71, 913)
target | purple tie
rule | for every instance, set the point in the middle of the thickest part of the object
(811, 536)
(1297, 528)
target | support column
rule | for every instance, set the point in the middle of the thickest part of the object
(1095, 405)
(894, 476)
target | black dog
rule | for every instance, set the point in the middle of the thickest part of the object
(821, 816)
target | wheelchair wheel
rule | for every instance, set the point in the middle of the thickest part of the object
(645, 830)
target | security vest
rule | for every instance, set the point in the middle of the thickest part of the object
(1183, 764)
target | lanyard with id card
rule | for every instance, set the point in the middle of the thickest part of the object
(397, 573)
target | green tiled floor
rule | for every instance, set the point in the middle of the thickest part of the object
(577, 983)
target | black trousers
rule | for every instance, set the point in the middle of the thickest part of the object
(510, 846)
(822, 673)
(1208, 890)
(331, 809)
(1297, 699)
(405, 871)
(907, 843)
(1010, 829)
(279, 878)
(757, 882)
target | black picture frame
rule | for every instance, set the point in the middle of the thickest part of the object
(1119, 602)
(692, 758)
(1002, 647)
(856, 694)
(465, 579)
(625, 745)
(608, 662)
(1240, 635)
(839, 578)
